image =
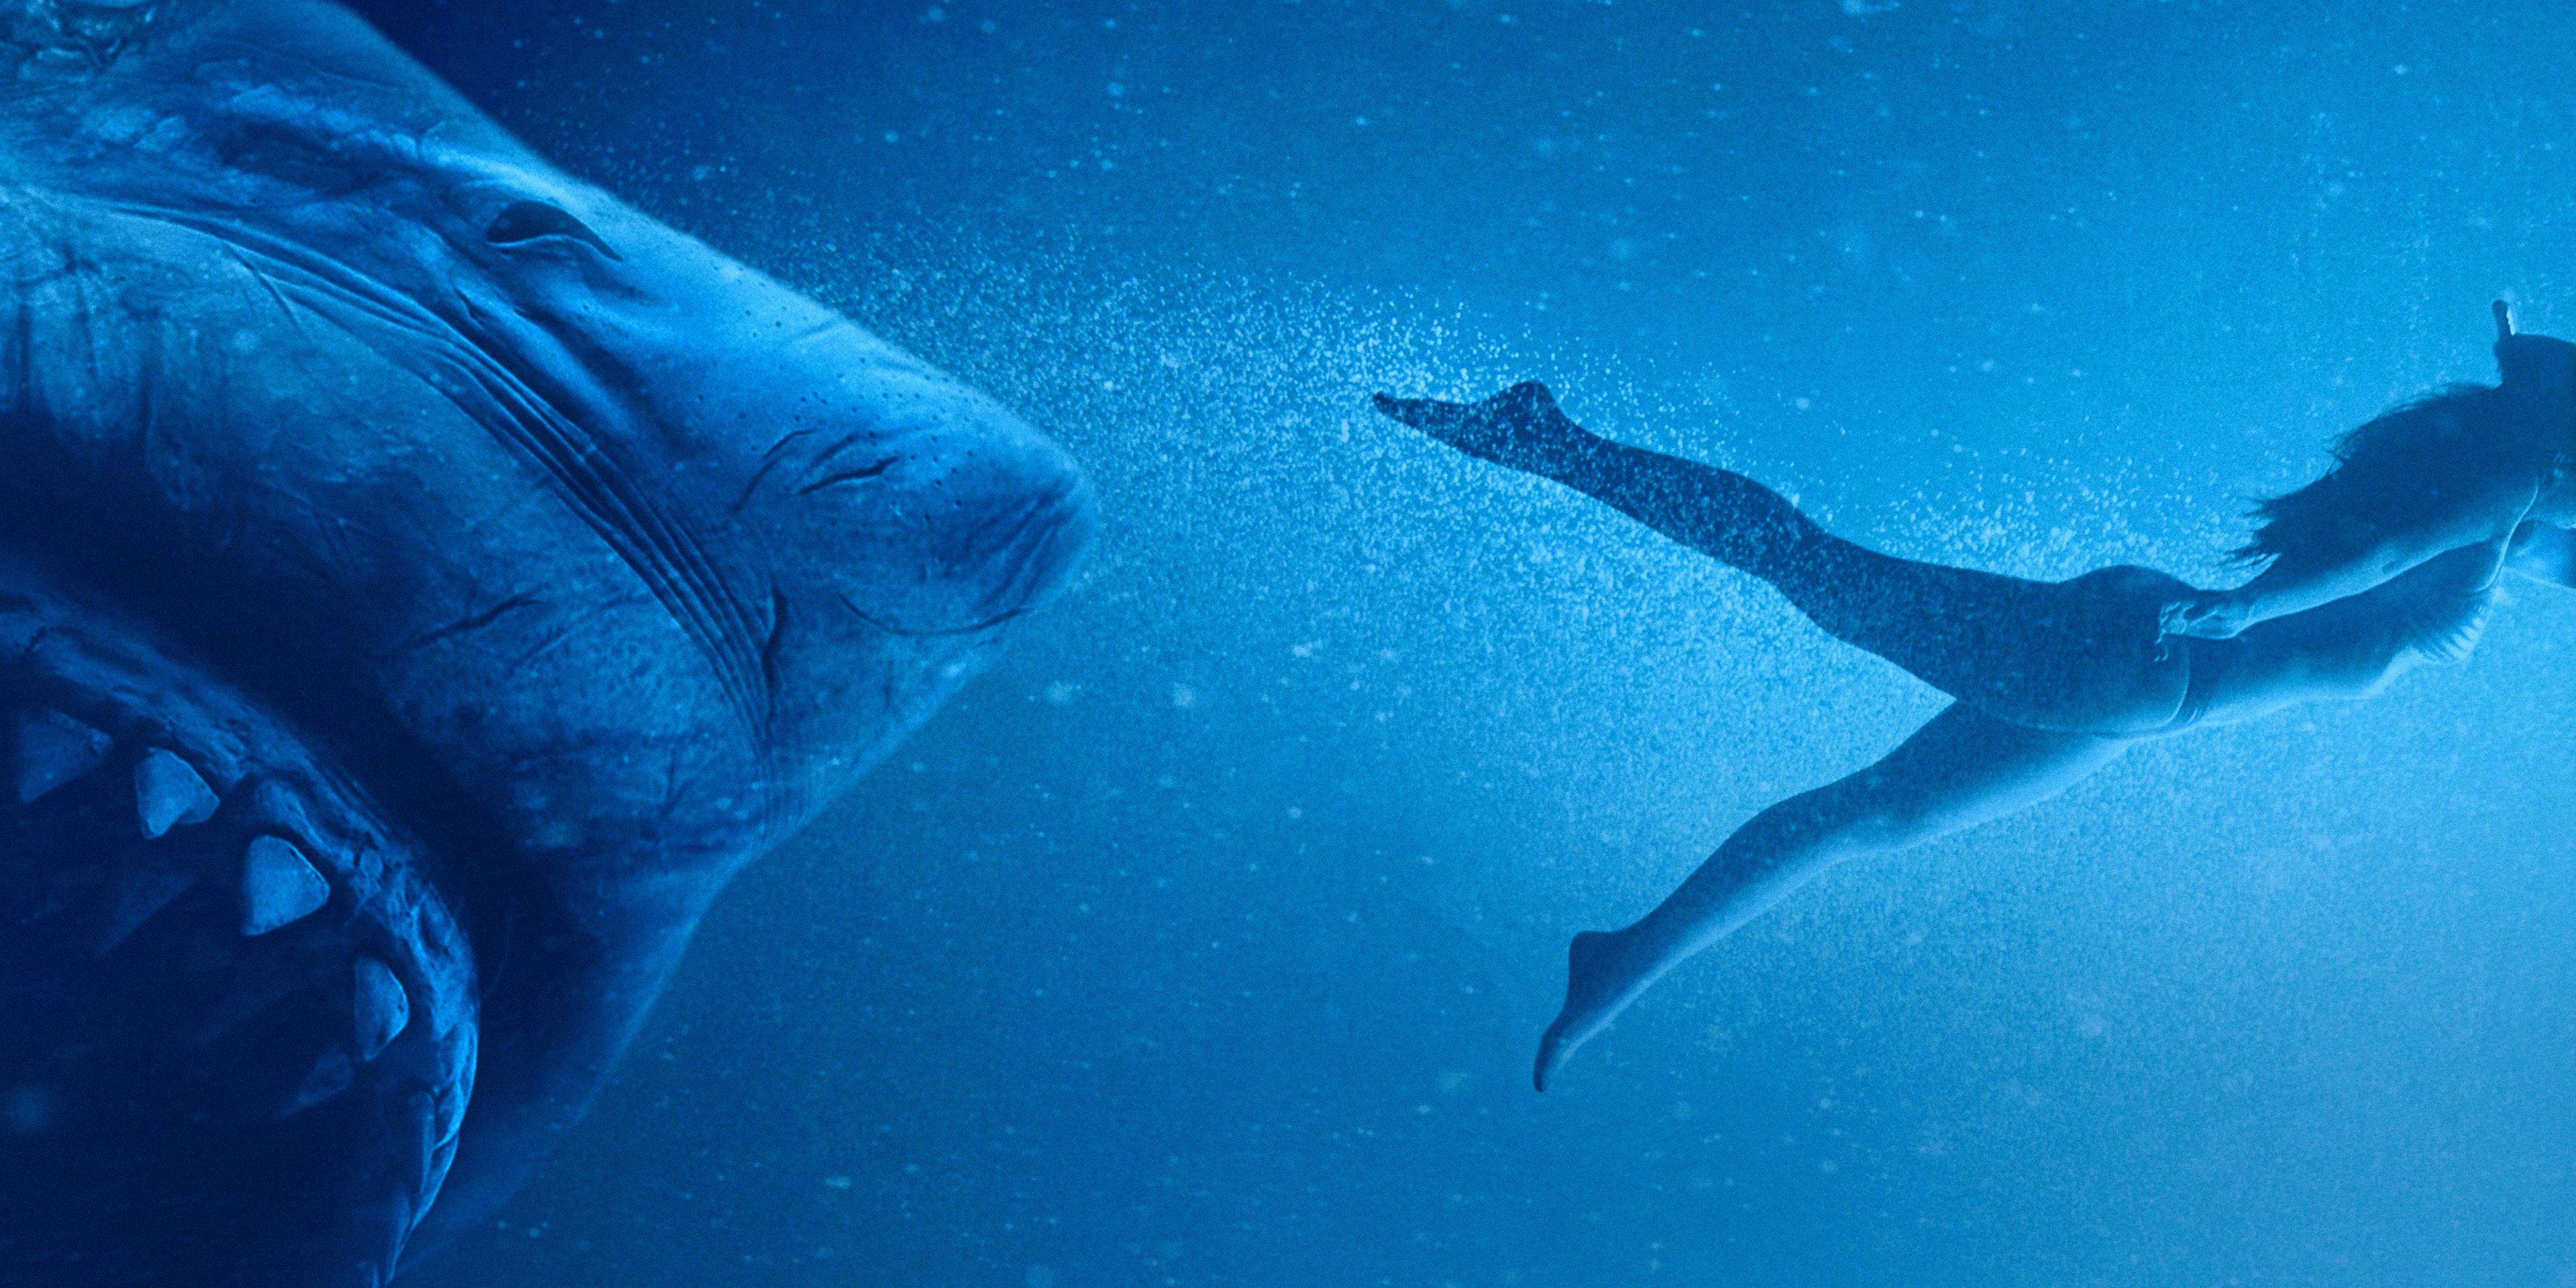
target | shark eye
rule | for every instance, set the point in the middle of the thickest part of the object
(522, 222)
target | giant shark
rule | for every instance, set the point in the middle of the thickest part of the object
(424, 582)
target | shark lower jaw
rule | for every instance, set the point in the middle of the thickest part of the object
(234, 985)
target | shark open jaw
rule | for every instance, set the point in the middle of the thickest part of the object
(424, 581)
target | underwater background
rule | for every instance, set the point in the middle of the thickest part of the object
(1206, 939)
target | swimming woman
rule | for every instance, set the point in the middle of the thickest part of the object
(2390, 560)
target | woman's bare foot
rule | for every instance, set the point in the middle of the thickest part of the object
(1598, 985)
(1521, 427)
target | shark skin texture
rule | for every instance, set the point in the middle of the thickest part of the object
(424, 582)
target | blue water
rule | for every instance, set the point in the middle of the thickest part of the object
(1206, 940)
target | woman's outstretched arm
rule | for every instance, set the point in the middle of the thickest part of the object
(2485, 518)
(2081, 656)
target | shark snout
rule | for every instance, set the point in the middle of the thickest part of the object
(933, 511)
(1033, 551)
(1024, 517)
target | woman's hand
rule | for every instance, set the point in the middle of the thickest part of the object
(2210, 615)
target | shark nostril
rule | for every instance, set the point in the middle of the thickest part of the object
(858, 475)
(523, 222)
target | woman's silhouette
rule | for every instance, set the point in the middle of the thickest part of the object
(2390, 560)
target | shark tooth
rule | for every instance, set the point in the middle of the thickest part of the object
(169, 791)
(381, 1006)
(54, 749)
(279, 885)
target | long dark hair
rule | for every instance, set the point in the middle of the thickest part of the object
(2393, 472)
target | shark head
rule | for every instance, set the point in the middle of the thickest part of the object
(579, 562)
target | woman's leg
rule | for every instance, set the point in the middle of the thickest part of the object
(1960, 769)
(2081, 656)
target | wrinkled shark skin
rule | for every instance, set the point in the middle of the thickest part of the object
(424, 582)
